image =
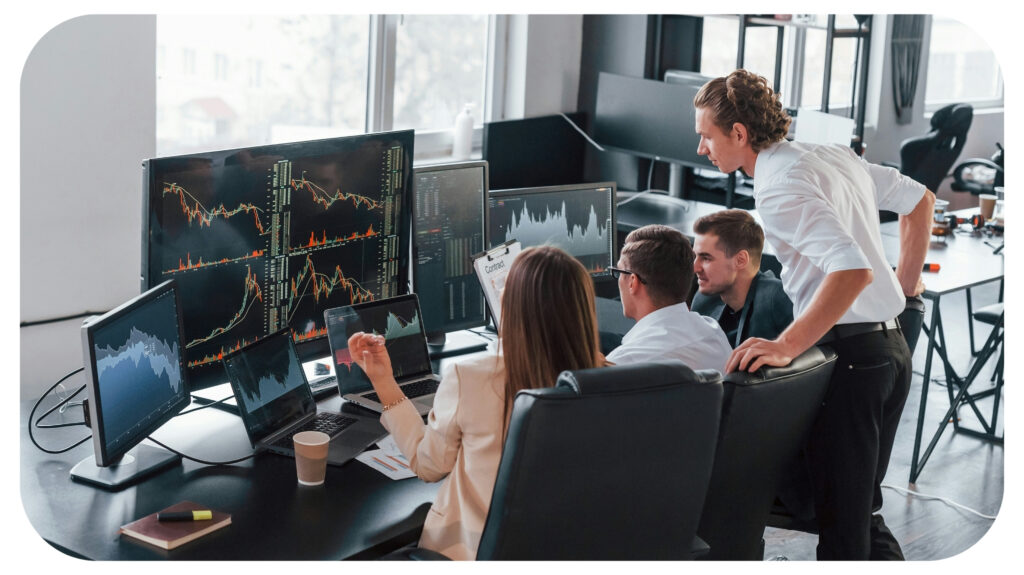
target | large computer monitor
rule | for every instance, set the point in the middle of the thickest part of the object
(269, 237)
(136, 381)
(648, 118)
(449, 225)
(531, 152)
(578, 218)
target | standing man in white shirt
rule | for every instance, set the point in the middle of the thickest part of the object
(655, 272)
(819, 205)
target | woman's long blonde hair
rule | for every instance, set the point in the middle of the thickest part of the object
(548, 322)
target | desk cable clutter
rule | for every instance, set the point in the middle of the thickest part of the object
(64, 402)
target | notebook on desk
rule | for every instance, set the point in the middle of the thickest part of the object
(275, 402)
(398, 320)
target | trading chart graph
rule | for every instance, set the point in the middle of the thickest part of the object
(578, 221)
(265, 238)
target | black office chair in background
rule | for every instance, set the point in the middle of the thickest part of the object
(766, 416)
(612, 463)
(928, 158)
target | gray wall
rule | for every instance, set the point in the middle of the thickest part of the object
(543, 65)
(88, 118)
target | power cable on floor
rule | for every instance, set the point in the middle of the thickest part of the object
(942, 499)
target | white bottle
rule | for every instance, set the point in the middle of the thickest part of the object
(462, 138)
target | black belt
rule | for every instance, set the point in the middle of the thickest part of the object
(851, 329)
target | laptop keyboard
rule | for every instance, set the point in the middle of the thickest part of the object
(329, 423)
(412, 390)
(324, 386)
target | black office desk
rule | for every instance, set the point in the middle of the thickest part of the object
(272, 516)
(965, 261)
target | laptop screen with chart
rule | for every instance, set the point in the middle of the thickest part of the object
(398, 320)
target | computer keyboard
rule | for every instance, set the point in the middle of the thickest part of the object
(415, 389)
(323, 386)
(329, 423)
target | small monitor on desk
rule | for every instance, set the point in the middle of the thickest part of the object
(136, 381)
(449, 225)
(578, 218)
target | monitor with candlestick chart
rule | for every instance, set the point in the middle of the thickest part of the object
(264, 238)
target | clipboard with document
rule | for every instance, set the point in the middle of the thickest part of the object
(491, 269)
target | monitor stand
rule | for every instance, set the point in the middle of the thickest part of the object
(454, 343)
(139, 462)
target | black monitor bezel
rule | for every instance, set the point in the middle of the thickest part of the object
(308, 349)
(450, 327)
(105, 457)
(570, 188)
(676, 99)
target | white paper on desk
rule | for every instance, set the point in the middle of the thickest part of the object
(394, 466)
(389, 446)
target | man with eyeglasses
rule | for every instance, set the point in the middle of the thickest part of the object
(654, 273)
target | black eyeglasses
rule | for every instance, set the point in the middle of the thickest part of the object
(617, 271)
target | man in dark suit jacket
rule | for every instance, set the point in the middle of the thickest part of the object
(745, 301)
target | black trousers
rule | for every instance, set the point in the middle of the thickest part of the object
(851, 442)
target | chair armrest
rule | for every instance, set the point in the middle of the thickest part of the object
(891, 165)
(414, 554)
(396, 538)
(699, 548)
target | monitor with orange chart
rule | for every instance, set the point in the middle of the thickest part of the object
(265, 238)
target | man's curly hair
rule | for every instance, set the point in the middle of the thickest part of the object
(746, 98)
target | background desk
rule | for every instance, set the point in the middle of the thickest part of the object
(272, 516)
(965, 261)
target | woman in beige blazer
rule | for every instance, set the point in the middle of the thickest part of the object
(548, 324)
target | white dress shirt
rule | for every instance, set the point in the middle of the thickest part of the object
(819, 205)
(675, 332)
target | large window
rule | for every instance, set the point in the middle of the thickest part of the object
(235, 81)
(439, 68)
(803, 57)
(961, 67)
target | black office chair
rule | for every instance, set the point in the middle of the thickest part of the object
(612, 463)
(928, 158)
(766, 416)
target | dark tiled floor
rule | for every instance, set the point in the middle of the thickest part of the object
(964, 469)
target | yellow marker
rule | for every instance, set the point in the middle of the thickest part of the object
(197, 515)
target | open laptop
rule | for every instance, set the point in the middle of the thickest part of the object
(398, 320)
(275, 402)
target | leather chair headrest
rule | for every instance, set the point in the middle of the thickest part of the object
(633, 377)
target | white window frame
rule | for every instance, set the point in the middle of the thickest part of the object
(979, 104)
(381, 84)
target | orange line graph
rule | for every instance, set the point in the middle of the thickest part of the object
(252, 293)
(322, 197)
(323, 241)
(310, 281)
(220, 354)
(195, 210)
(311, 334)
(189, 265)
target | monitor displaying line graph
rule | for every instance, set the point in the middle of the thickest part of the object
(579, 218)
(397, 319)
(135, 370)
(266, 238)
